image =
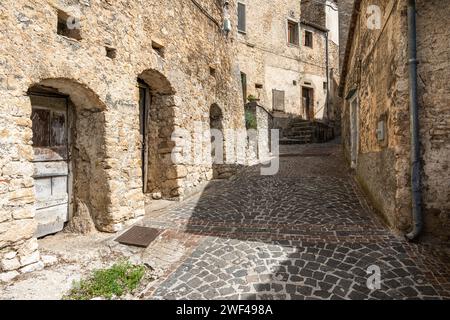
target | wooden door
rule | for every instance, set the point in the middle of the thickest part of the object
(51, 162)
(144, 103)
(308, 103)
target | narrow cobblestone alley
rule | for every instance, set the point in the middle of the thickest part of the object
(306, 233)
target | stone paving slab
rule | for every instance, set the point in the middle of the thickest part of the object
(232, 269)
(306, 233)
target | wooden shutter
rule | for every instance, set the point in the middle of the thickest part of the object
(241, 17)
(278, 100)
(293, 32)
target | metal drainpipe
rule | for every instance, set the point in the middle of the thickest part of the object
(415, 134)
(328, 75)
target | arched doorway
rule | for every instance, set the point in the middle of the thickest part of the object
(68, 127)
(156, 117)
(217, 139)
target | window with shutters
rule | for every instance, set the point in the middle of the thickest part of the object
(293, 33)
(278, 100)
(241, 18)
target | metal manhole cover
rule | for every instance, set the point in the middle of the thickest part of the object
(139, 236)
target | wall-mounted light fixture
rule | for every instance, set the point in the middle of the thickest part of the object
(226, 17)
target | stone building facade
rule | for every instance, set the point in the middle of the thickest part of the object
(320, 58)
(345, 16)
(376, 113)
(90, 93)
(275, 64)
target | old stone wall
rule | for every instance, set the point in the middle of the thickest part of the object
(271, 63)
(345, 15)
(314, 11)
(265, 55)
(118, 41)
(314, 61)
(378, 71)
(433, 53)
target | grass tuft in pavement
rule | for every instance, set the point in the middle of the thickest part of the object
(121, 278)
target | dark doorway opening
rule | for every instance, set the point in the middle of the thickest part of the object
(217, 147)
(308, 103)
(144, 103)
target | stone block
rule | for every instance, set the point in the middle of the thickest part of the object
(29, 247)
(9, 264)
(176, 172)
(30, 258)
(5, 215)
(8, 276)
(25, 195)
(49, 260)
(10, 255)
(18, 168)
(33, 267)
(15, 231)
(24, 213)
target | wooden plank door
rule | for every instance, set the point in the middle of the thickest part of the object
(144, 104)
(51, 163)
(308, 103)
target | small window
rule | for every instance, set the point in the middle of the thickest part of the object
(308, 39)
(325, 86)
(241, 18)
(293, 33)
(68, 26)
(111, 52)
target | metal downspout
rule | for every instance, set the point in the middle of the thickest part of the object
(417, 214)
(327, 53)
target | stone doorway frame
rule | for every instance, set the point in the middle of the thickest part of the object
(86, 125)
(162, 175)
(308, 109)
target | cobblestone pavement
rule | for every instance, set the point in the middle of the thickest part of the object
(305, 233)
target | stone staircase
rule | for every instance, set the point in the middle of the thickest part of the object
(301, 131)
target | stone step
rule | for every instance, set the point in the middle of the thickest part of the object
(289, 141)
(306, 136)
(298, 135)
(307, 130)
(300, 125)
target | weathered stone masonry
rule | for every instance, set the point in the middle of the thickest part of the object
(376, 66)
(172, 46)
(278, 67)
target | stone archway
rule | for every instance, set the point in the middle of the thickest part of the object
(156, 107)
(71, 183)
